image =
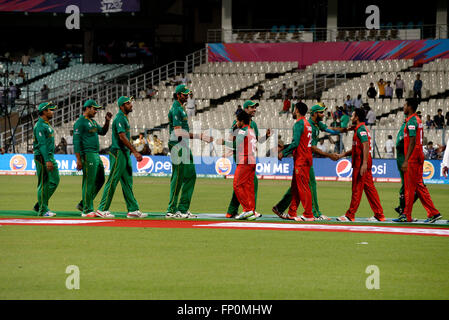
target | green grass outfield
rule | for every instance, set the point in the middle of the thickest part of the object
(159, 263)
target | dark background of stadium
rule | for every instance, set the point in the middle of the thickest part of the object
(171, 29)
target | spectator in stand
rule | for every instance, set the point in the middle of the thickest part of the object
(321, 146)
(295, 90)
(69, 140)
(191, 105)
(389, 91)
(389, 147)
(61, 148)
(43, 61)
(2, 97)
(150, 91)
(12, 94)
(400, 86)
(157, 146)
(417, 86)
(259, 93)
(286, 105)
(239, 109)
(25, 60)
(2, 150)
(430, 152)
(381, 86)
(439, 119)
(45, 91)
(21, 74)
(370, 116)
(430, 124)
(349, 103)
(358, 102)
(371, 93)
(447, 118)
(141, 145)
(283, 91)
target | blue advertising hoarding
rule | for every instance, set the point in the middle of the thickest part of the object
(216, 167)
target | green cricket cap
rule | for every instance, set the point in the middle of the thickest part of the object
(318, 108)
(249, 103)
(46, 105)
(182, 89)
(123, 99)
(92, 103)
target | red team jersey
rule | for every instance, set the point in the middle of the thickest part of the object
(414, 128)
(302, 154)
(246, 145)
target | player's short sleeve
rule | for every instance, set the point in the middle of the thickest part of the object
(412, 126)
(362, 134)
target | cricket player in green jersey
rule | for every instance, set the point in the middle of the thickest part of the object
(183, 177)
(87, 148)
(249, 107)
(121, 168)
(46, 167)
(315, 120)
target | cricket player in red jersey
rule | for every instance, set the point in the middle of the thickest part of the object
(362, 178)
(413, 166)
(301, 147)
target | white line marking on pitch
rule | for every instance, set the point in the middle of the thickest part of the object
(374, 229)
(50, 221)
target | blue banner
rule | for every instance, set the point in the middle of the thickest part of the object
(268, 168)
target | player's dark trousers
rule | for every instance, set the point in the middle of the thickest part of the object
(183, 178)
(93, 179)
(399, 162)
(365, 184)
(413, 182)
(121, 170)
(47, 182)
(244, 186)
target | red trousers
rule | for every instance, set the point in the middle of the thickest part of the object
(413, 182)
(360, 184)
(301, 192)
(244, 186)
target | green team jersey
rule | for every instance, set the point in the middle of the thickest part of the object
(400, 141)
(344, 121)
(44, 140)
(85, 135)
(316, 128)
(119, 125)
(177, 117)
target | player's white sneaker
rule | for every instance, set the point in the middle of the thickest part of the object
(88, 215)
(374, 219)
(302, 218)
(177, 215)
(190, 215)
(244, 215)
(322, 218)
(49, 214)
(104, 214)
(343, 219)
(136, 214)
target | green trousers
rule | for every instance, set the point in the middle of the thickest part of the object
(93, 179)
(284, 203)
(183, 178)
(47, 182)
(121, 171)
(235, 204)
(399, 161)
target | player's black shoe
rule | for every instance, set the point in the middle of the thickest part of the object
(36, 207)
(79, 206)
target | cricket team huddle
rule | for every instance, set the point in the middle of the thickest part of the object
(243, 140)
